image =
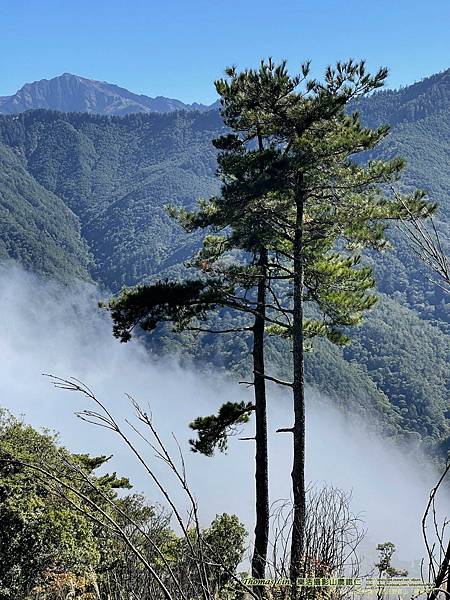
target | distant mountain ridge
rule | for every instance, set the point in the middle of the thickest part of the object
(72, 93)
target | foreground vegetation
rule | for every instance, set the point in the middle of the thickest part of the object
(67, 532)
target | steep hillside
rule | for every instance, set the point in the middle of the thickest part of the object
(71, 93)
(408, 104)
(420, 121)
(114, 175)
(38, 229)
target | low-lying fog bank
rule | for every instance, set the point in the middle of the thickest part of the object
(50, 329)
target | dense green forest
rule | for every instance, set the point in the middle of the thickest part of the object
(84, 196)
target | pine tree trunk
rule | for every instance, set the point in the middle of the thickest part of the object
(298, 468)
(261, 468)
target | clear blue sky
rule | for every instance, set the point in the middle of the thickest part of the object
(176, 48)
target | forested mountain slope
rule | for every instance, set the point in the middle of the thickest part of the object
(37, 227)
(116, 175)
(409, 104)
(109, 178)
(420, 120)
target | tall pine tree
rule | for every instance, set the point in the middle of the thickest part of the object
(321, 200)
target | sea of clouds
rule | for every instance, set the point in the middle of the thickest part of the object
(50, 328)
